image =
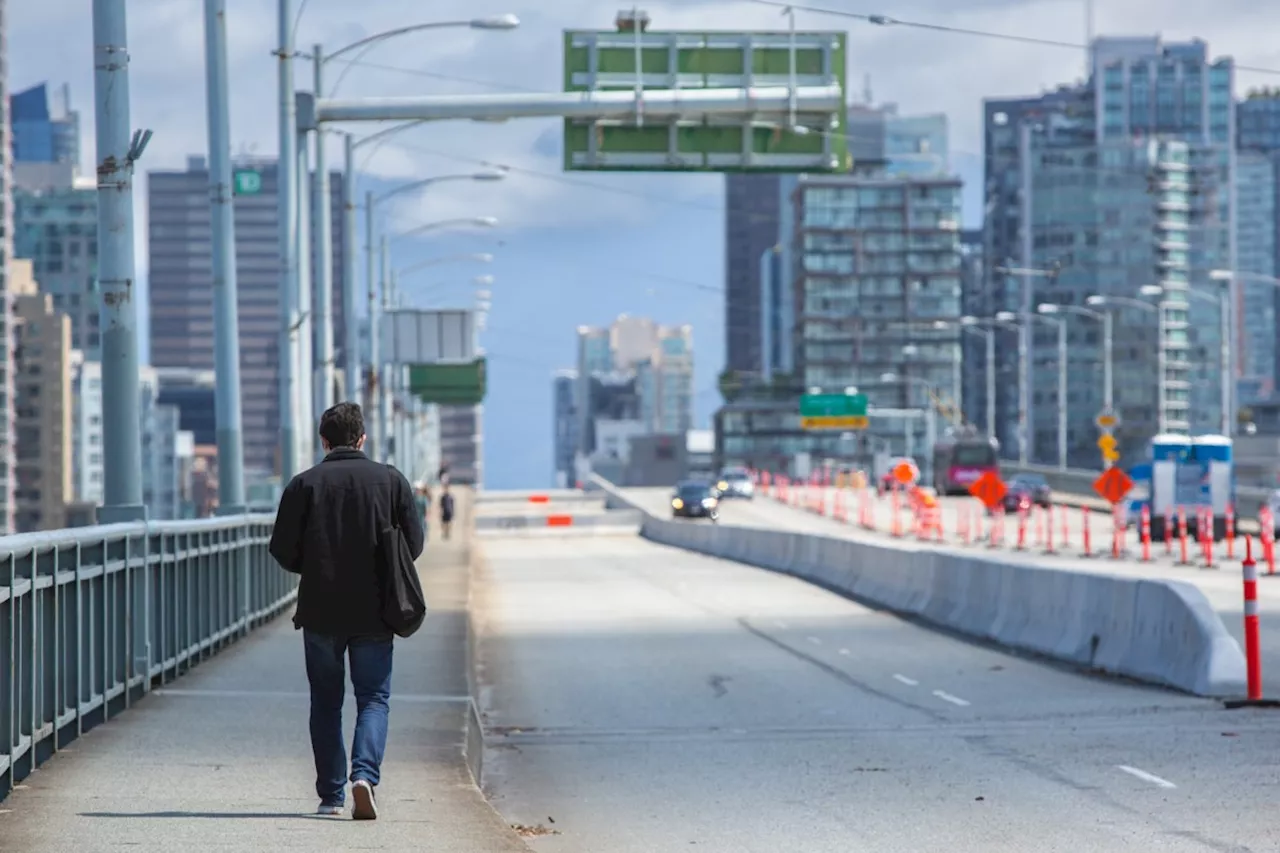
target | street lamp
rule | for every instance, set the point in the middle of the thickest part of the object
(1027, 273)
(1011, 318)
(931, 422)
(1100, 301)
(476, 221)
(1108, 382)
(973, 324)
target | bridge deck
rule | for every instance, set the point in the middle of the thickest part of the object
(221, 759)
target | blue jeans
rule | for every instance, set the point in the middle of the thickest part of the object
(371, 680)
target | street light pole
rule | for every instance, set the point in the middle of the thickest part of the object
(1228, 375)
(1024, 332)
(286, 177)
(1062, 394)
(324, 261)
(226, 317)
(306, 284)
(350, 328)
(991, 383)
(1108, 377)
(118, 149)
(384, 375)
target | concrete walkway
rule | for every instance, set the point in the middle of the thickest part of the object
(220, 760)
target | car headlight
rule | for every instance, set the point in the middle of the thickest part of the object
(722, 486)
(677, 503)
(708, 502)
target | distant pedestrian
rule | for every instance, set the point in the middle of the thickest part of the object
(446, 511)
(327, 530)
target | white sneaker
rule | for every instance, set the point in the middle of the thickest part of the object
(365, 805)
(329, 811)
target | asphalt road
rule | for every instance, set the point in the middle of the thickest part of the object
(641, 699)
(1222, 584)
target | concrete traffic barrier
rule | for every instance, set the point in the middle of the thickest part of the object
(1156, 631)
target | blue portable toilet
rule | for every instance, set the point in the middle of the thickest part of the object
(1169, 455)
(1214, 464)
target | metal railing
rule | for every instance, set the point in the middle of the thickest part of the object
(92, 617)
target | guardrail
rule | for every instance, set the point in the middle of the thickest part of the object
(1075, 487)
(92, 617)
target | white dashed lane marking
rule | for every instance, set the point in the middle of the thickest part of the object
(947, 697)
(1146, 777)
(910, 682)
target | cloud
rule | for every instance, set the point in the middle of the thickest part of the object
(921, 70)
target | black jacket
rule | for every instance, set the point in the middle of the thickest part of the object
(327, 531)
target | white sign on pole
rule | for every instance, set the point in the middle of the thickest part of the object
(411, 336)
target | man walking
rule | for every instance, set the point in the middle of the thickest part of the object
(327, 531)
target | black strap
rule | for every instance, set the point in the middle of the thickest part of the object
(391, 497)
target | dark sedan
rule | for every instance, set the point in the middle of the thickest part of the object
(1029, 488)
(695, 499)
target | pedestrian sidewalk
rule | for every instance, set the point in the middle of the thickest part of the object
(221, 759)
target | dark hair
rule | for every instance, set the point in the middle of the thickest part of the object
(342, 425)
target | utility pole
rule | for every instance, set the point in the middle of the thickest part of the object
(383, 398)
(118, 150)
(991, 383)
(306, 282)
(373, 425)
(1025, 330)
(350, 328)
(286, 176)
(324, 258)
(226, 320)
(1062, 393)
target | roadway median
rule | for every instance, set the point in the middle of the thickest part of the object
(1157, 631)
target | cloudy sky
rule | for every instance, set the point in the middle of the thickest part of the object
(577, 248)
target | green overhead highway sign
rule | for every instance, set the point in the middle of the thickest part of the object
(833, 411)
(247, 181)
(600, 60)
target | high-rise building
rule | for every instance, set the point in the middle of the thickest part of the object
(45, 132)
(1104, 188)
(7, 459)
(194, 393)
(635, 371)
(877, 290)
(168, 452)
(564, 427)
(1256, 263)
(57, 228)
(42, 353)
(1258, 133)
(181, 277)
(752, 205)
(759, 211)
(86, 430)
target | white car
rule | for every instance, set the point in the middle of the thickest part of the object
(735, 483)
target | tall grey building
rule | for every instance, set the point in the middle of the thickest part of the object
(56, 226)
(1258, 133)
(759, 215)
(181, 279)
(564, 428)
(1122, 182)
(7, 449)
(878, 291)
(752, 207)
